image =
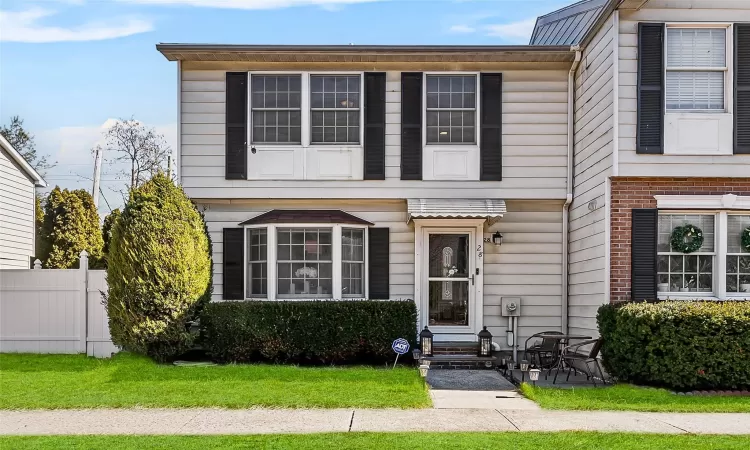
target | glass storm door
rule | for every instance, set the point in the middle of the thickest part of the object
(450, 280)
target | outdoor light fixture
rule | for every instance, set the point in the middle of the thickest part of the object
(524, 369)
(423, 369)
(425, 341)
(497, 238)
(485, 342)
(416, 354)
(534, 375)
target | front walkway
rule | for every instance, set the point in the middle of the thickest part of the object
(264, 421)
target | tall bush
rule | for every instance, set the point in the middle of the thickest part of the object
(107, 226)
(70, 225)
(158, 272)
(681, 345)
(312, 332)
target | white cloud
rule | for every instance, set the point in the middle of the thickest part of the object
(519, 32)
(461, 29)
(331, 5)
(26, 26)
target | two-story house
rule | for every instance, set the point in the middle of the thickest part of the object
(465, 177)
(662, 149)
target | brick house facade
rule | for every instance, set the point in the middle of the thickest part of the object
(638, 192)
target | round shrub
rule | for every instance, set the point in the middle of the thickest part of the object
(70, 225)
(680, 345)
(158, 272)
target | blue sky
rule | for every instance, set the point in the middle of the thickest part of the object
(68, 67)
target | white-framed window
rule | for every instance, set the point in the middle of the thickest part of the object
(306, 108)
(335, 107)
(686, 273)
(276, 109)
(451, 102)
(697, 67)
(306, 261)
(738, 258)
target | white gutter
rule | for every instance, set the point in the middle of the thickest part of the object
(569, 195)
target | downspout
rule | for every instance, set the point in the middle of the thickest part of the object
(569, 195)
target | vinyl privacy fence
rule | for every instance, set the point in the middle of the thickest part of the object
(54, 311)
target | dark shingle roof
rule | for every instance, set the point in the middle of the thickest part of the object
(306, 216)
(567, 26)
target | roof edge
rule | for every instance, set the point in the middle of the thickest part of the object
(607, 11)
(21, 161)
(567, 11)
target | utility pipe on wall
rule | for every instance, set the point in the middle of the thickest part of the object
(569, 195)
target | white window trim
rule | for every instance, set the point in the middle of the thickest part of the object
(733, 295)
(721, 206)
(477, 124)
(271, 261)
(728, 69)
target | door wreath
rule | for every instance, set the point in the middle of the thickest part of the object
(746, 239)
(686, 238)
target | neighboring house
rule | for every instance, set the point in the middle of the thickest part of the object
(18, 182)
(662, 140)
(390, 172)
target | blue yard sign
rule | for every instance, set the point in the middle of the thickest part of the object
(400, 346)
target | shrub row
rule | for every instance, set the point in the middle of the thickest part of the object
(680, 345)
(312, 332)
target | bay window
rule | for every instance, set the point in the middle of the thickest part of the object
(306, 262)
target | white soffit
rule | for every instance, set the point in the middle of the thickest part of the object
(439, 208)
(728, 201)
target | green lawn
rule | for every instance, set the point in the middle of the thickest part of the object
(30, 381)
(626, 397)
(410, 441)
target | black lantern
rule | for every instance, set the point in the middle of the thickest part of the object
(485, 342)
(425, 341)
(497, 238)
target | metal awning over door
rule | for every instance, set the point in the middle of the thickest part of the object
(438, 208)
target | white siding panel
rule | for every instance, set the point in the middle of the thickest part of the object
(16, 215)
(594, 123)
(534, 124)
(633, 164)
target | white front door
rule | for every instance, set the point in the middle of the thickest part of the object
(449, 282)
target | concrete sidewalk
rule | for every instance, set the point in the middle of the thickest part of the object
(264, 421)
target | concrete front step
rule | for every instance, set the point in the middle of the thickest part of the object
(461, 362)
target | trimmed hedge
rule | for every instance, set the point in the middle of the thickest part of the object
(680, 345)
(312, 332)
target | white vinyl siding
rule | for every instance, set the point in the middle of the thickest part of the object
(527, 265)
(534, 144)
(594, 143)
(16, 215)
(672, 165)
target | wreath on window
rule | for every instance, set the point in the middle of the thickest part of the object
(746, 239)
(687, 238)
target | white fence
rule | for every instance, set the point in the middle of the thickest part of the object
(54, 311)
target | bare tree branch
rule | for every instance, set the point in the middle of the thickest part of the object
(144, 150)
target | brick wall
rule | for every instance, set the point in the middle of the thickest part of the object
(636, 192)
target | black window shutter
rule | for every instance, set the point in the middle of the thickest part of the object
(236, 126)
(378, 250)
(374, 126)
(742, 88)
(643, 254)
(650, 133)
(234, 243)
(491, 138)
(411, 125)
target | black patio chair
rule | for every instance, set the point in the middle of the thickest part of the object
(575, 358)
(546, 352)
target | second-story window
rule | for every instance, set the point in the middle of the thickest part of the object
(334, 109)
(696, 68)
(451, 109)
(276, 109)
